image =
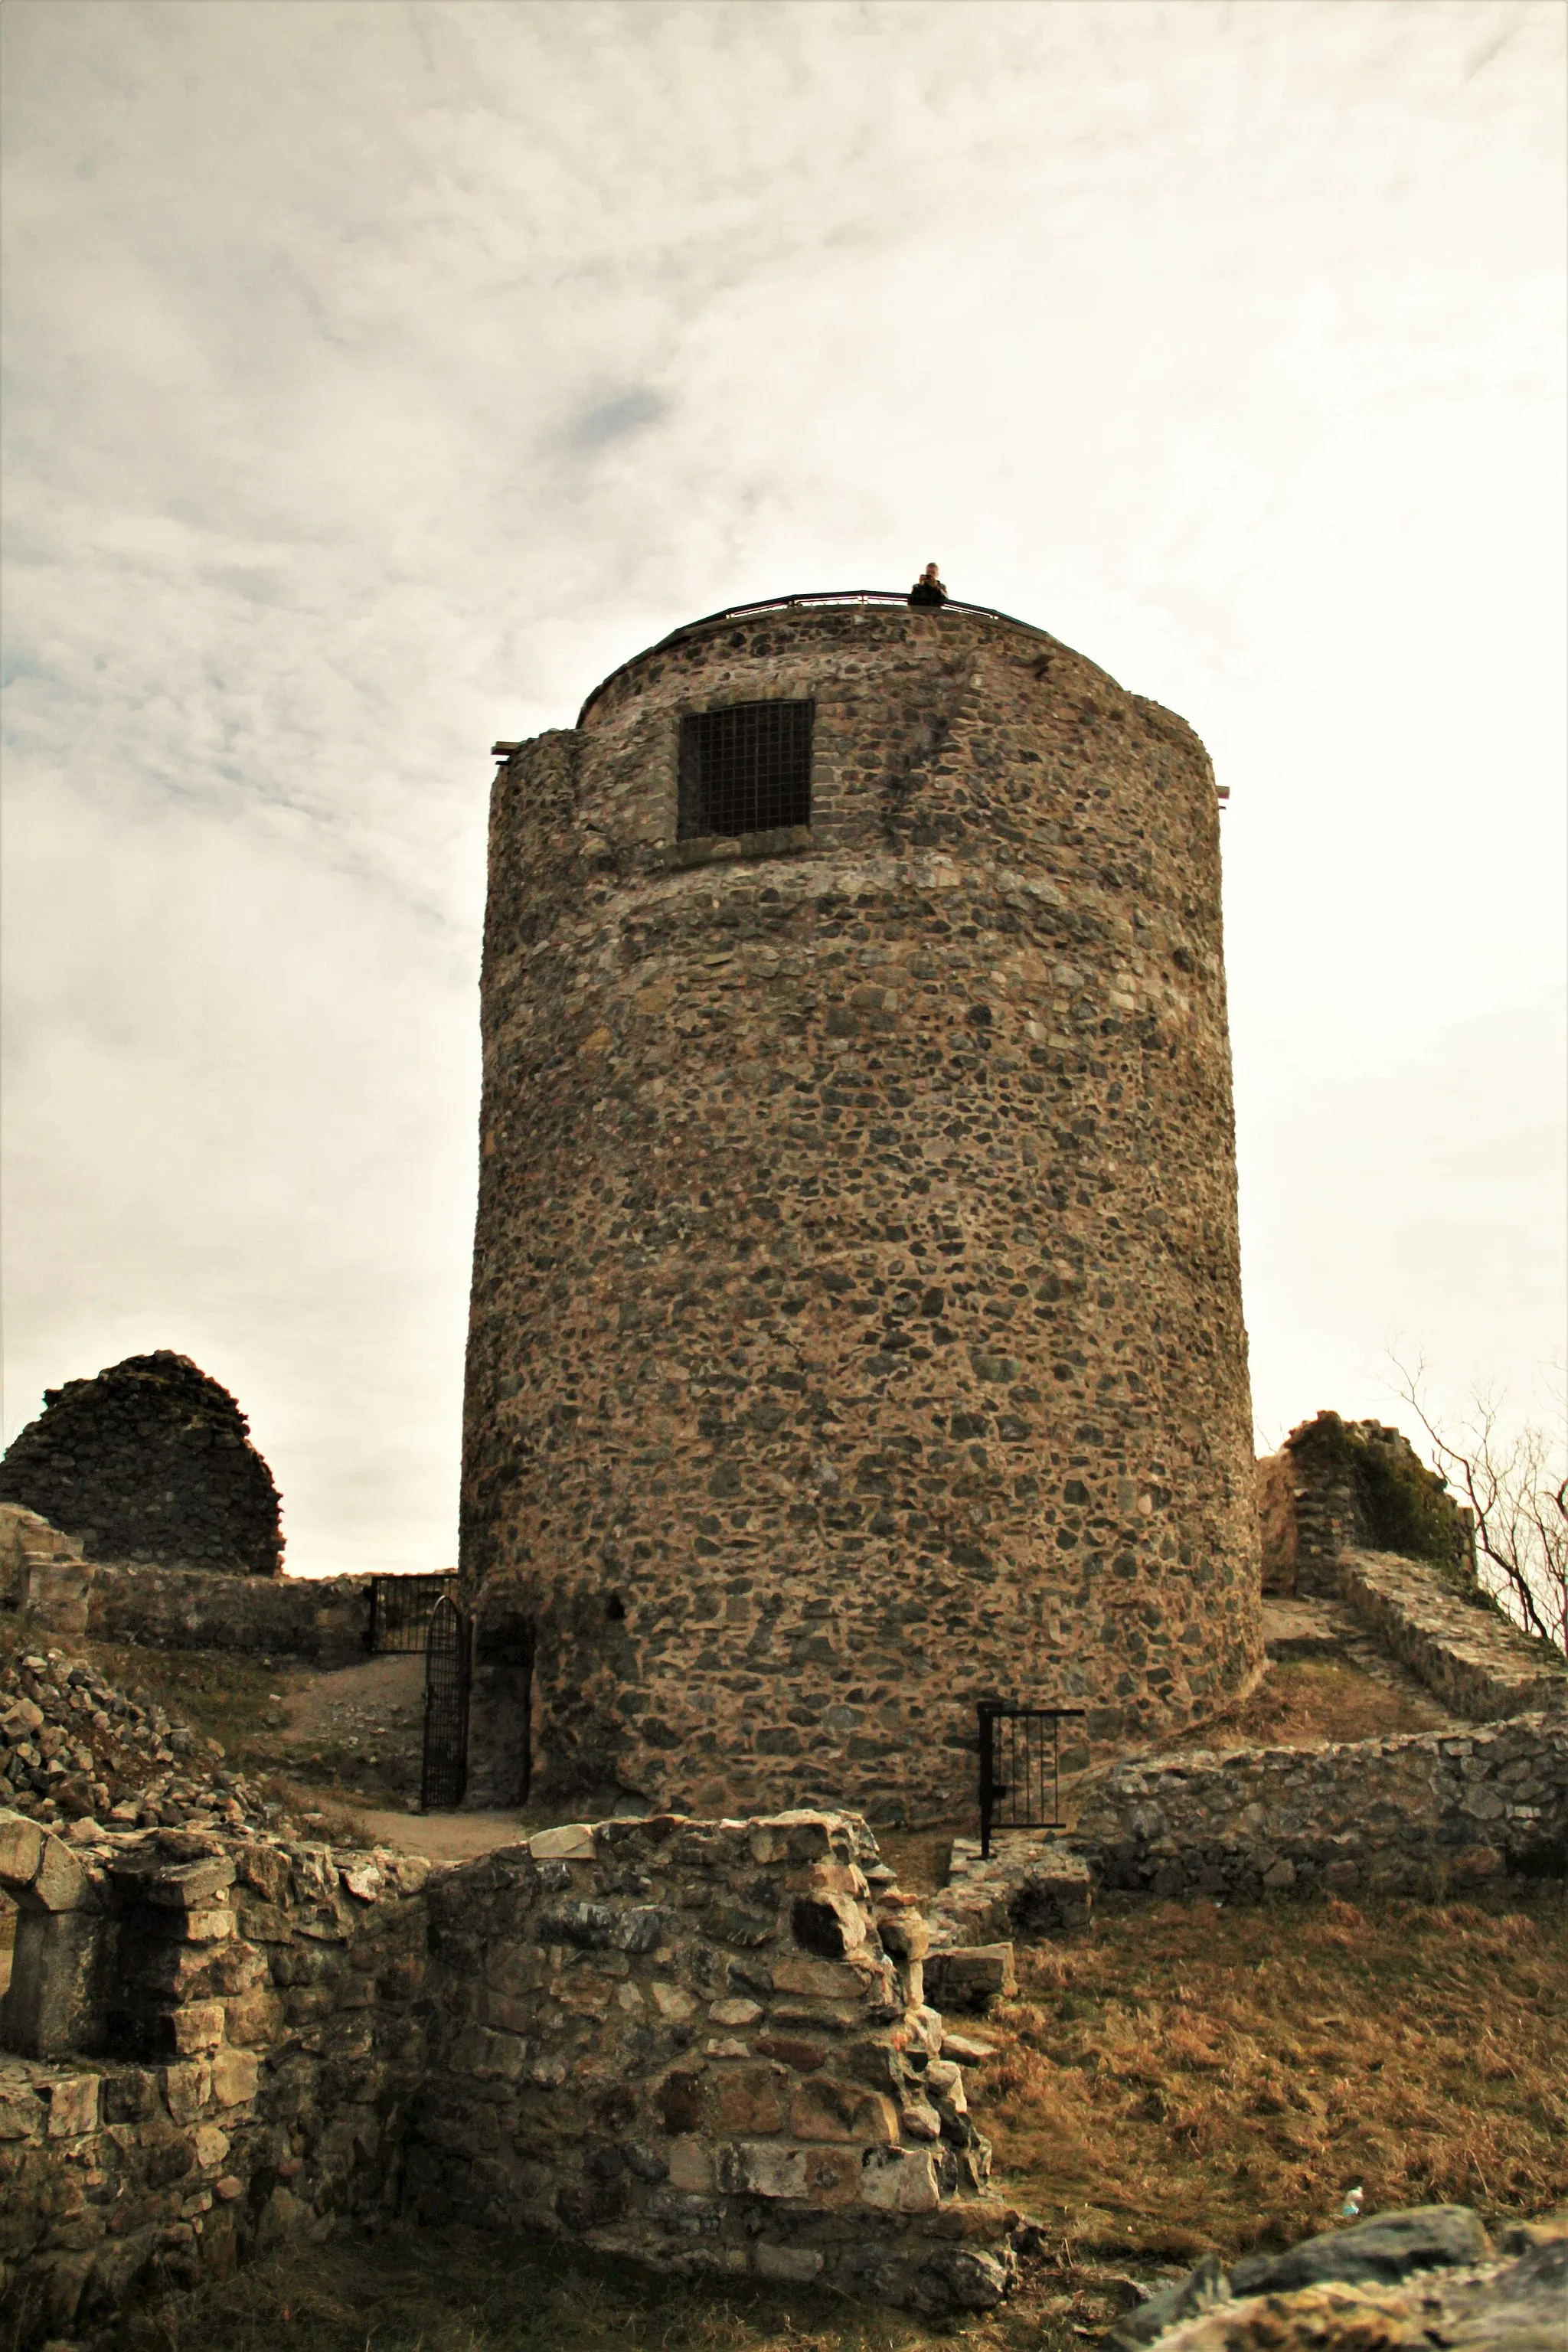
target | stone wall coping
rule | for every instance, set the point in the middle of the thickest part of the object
(817, 605)
(1475, 1659)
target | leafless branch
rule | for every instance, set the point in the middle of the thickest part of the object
(1514, 1483)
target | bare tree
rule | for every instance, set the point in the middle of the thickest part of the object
(1516, 1483)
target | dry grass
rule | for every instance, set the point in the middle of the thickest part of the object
(1307, 1699)
(1183, 2078)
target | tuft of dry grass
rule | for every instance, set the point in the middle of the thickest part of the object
(1301, 1700)
(1183, 2078)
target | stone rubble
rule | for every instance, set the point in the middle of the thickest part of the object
(74, 1749)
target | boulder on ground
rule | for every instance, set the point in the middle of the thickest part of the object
(1386, 2250)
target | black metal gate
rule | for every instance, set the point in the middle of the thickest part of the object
(1020, 1767)
(448, 1652)
(400, 1609)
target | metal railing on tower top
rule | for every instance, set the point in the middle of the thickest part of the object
(809, 600)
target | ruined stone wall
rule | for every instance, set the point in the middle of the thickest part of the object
(324, 1618)
(856, 1325)
(151, 1461)
(1336, 1486)
(703, 2044)
(1411, 1814)
(1275, 1478)
(208, 2047)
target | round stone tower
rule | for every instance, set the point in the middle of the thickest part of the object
(856, 1319)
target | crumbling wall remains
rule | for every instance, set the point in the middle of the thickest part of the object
(1474, 1658)
(209, 2045)
(1274, 1474)
(700, 2043)
(1338, 1485)
(322, 1619)
(150, 1463)
(705, 2044)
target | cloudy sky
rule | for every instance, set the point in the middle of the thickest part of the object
(380, 375)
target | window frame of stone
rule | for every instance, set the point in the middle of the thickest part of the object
(786, 807)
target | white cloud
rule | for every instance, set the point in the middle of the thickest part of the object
(383, 377)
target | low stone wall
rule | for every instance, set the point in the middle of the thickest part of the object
(1472, 1658)
(324, 1619)
(1402, 1814)
(703, 2044)
(211, 2046)
(1031, 1883)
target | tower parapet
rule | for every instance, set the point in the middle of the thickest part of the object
(857, 1323)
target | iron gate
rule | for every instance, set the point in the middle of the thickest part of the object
(448, 1652)
(1020, 1767)
(400, 1609)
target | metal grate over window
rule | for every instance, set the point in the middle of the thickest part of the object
(746, 770)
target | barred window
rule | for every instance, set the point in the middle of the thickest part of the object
(746, 768)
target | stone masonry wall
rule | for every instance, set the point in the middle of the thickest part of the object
(855, 1322)
(1482, 1665)
(1336, 1486)
(209, 2047)
(150, 1461)
(703, 2044)
(1404, 1814)
(322, 1619)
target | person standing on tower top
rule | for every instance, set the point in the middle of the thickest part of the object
(927, 588)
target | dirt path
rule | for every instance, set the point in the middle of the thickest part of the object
(376, 1713)
(448, 1837)
(374, 1707)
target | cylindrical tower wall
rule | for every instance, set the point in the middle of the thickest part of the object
(856, 1321)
